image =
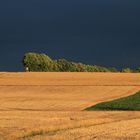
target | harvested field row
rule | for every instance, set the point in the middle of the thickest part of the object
(90, 79)
(61, 98)
(69, 125)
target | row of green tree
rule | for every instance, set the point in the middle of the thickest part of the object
(35, 62)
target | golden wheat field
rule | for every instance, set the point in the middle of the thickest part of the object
(50, 106)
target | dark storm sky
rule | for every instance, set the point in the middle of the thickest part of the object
(101, 32)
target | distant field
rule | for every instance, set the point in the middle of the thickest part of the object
(48, 106)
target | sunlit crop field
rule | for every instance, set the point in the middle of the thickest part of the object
(50, 106)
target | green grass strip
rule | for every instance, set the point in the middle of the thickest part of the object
(130, 103)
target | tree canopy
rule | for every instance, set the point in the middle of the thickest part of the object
(36, 62)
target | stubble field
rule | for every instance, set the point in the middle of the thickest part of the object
(49, 106)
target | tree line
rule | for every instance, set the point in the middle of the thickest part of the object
(35, 62)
